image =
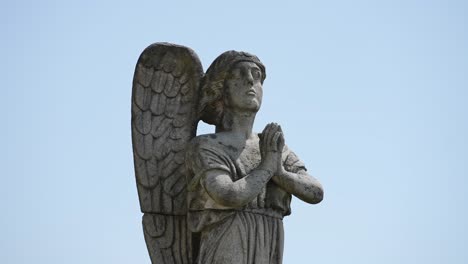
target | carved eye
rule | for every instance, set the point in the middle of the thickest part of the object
(234, 74)
(256, 74)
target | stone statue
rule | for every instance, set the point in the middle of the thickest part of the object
(216, 198)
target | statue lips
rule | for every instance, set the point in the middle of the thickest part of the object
(251, 92)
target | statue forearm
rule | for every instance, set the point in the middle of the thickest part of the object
(235, 194)
(301, 185)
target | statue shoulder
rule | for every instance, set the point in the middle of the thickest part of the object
(291, 161)
(206, 141)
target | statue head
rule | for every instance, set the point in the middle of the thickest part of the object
(233, 81)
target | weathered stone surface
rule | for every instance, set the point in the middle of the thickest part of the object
(225, 202)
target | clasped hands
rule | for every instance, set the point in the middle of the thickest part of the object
(271, 149)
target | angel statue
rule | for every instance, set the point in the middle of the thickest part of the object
(215, 198)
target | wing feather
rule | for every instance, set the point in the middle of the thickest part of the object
(169, 86)
(179, 158)
(145, 193)
(144, 75)
(142, 121)
(142, 96)
(184, 78)
(161, 82)
(185, 88)
(155, 82)
(177, 185)
(155, 225)
(177, 144)
(167, 203)
(161, 146)
(172, 106)
(141, 143)
(145, 122)
(169, 62)
(140, 168)
(158, 104)
(180, 120)
(177, 133)
(170, 182)
(152, 172)
(179, 69)
(159, 128)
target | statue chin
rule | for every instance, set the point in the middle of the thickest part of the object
(255, 105)
(250, 106)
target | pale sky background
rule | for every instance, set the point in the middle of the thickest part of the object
(372, 95)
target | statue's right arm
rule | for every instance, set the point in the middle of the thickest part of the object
(223, 190)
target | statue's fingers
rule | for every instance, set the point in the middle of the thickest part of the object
(273, 132)
(276, 139)
(260, 144)
(268, 135)
(263, 137)
(281, 142)
(265, 134)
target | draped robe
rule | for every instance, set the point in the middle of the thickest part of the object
(252, 234)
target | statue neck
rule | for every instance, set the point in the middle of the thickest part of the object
(239, 122)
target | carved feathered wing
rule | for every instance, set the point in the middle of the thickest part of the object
(164, 98)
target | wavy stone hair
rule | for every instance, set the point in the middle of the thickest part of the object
(212, 85)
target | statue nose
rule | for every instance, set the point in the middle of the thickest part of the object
(249, 79)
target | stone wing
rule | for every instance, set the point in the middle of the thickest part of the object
(164, 98)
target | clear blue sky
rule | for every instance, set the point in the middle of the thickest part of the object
(372, 95)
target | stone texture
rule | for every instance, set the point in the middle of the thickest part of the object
(216, 198)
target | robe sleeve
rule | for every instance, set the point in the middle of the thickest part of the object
(292, 163)
(202, 157)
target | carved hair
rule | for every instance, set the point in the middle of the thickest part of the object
(213, 83)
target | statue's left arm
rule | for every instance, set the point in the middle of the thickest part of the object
(291, 174)
(300, 184)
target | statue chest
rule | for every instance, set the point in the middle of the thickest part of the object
(246, 160)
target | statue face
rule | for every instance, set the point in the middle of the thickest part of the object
(244, 87)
